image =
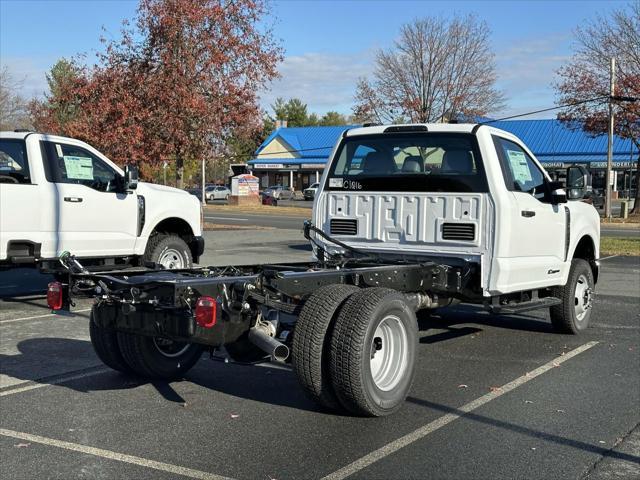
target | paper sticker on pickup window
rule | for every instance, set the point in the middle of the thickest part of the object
(78, 168)
(335, 183)
(519, 166)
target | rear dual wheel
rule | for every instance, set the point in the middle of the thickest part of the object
(355, 349)
(150, 357)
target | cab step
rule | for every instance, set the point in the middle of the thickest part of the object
(519, 307)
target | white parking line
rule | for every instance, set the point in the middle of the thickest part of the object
(120, 457)
(607, 258)
(57, 381)
(2, 322)
(227, 218)
(425, 430)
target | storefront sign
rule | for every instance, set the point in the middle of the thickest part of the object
(268, 165)
(316, 166)
(548, 165)
(244, 185)
(613, 164)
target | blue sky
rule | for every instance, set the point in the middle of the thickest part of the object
(328, 44)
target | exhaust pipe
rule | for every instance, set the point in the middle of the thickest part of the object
(260, 338)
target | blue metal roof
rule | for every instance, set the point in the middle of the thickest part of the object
(549, 140)
(308, 141)
(552, 140)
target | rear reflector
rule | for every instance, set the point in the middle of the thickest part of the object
(206, 311)
(55, 295)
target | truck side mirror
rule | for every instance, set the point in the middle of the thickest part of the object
(558, 195)
(130, 177)
(577, 182)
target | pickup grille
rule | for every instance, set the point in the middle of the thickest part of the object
(340, 226)
(459, 231)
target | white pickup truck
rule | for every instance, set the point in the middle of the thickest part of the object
(60, 194)
(406, 217)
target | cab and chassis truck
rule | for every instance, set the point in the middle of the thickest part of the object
(407, 217)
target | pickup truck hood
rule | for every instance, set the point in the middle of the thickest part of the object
(144, 187)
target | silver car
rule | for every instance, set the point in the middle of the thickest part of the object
(279, 192)
(217, 193)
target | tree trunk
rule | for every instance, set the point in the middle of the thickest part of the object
(179, 171)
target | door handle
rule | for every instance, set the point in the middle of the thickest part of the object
(73, 199)
(528, 213)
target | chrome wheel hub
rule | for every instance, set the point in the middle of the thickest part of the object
(583, 297)
(171, 259)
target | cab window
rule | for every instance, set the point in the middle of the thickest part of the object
(521, 174)
(71, 164)
(14, 166)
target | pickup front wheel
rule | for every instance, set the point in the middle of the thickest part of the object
(170, 251)
(573, 314)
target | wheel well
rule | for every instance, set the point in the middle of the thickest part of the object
(174, 225)
(587, 251)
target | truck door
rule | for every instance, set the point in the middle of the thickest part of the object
(536, 233)
(24, 206)
(96, 217)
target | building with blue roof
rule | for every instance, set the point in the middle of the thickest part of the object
(297, 156)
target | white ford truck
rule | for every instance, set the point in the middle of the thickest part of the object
(406, 217)
(60, 194)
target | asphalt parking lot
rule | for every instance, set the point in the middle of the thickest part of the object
(494, 397)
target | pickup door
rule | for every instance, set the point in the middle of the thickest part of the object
(536, 240)
(95, 218)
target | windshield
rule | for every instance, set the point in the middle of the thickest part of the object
(434, 162)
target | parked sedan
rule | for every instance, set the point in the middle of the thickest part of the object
(279, 192)
(217, 193)
(310, 193)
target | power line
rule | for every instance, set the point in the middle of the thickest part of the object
(572, 104)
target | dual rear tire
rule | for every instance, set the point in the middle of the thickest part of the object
(155, 358)
(354, 349)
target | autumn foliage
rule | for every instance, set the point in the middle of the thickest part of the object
(175, 87)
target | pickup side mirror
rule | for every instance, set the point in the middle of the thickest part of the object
(130, 177)
(557, 193)
(577, 182)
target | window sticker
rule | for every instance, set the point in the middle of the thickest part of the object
(59, 150)
(335, 183)
(519, 166)
(78, 168)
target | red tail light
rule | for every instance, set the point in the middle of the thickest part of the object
(55, 295)
(206, 311)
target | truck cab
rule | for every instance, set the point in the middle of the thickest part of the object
(466, 192)
(60, 194)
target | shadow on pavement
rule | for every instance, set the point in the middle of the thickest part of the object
(276, 386)
(464, 314)
(549, 437)
(23, 281)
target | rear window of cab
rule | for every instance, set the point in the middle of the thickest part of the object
(412, 162)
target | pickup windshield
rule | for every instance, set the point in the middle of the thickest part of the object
(410, 162)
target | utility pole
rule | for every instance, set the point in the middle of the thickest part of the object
(612, 92)
(204, 200)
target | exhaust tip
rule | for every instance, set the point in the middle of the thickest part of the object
(281, 353)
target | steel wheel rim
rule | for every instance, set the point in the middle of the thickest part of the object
(170, 348)
(389, 351)
(171, 259)
(583, 297)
